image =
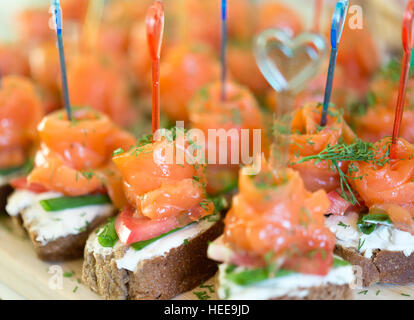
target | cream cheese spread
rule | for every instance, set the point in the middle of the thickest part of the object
(292, 285)
(162, 246)
(383, 237)
(50, 225)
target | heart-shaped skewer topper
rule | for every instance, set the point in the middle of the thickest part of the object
(155, 31)
(407, 41)
(278, 41)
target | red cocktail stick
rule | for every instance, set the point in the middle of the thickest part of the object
(155, 30)
(317, 16)
(407, 40)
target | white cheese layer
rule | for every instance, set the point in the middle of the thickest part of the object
(92, 245)
(22, 199)
(162, 246)
(383, 237)
(50, 225)
(294, 285)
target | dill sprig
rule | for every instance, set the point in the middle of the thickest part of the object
(334, 154)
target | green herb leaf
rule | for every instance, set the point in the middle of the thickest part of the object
(250, 276)
(108, 237)
(340, 263)
(368, 223)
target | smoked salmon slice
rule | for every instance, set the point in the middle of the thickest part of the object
(388, 184)
(209, 113)
(99, 83)
(74, 157)
(308, 138)
(377, 119)
(20, 112)
(162, 193)
(186, 69)
(159, 187)
(273, 212)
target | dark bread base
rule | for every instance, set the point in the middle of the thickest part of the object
(5, 191)
(328, 292)
(164, 277)
(65, 248)
(384, 266)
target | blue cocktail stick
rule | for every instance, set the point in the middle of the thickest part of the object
(223, 48)
(338, 22)
(65, 89)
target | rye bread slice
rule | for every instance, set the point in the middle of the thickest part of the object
(328, 292)
(163, 277)
(384, 266)
(65, 248)
(5, 191)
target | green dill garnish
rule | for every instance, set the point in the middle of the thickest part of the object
(201, 295)
(405, 295)
(377, 293)
(186, 242)
(88, 175)
(309, 142)
(360, 244)
(220, 203)
(205, 203)
(209, 287)
(84, 228)
(341, 224)
(371, 99)
(334, 154)
(363, 292)
(203, 92)
(392, 71)
(75, 289)
(144, 140)
(237, 118)
(118, 152)
(67, 274)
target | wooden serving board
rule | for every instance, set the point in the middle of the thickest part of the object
(24, 276)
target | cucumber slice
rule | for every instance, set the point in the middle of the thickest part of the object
(62, 203)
